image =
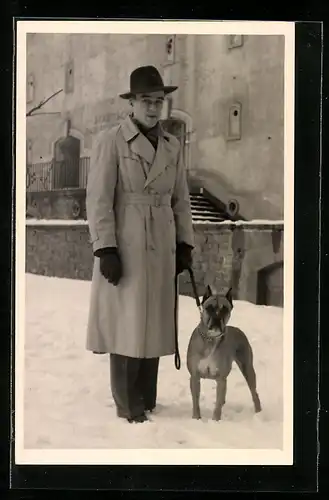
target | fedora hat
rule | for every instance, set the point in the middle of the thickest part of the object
(146, 79)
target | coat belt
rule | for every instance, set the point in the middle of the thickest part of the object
(151, 200)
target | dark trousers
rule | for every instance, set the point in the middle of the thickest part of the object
(133, 384)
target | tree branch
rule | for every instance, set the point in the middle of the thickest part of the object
(47, 113)
(42, 103)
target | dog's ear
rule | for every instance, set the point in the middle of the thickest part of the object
(207, 294)
(229, 296)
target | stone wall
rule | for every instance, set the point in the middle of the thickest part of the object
(59, 250)
(57, 204)
(225, 254)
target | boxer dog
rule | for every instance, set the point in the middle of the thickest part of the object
(213, 347)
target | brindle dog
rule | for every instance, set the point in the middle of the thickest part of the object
(212, 349)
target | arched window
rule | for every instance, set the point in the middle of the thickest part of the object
(178, 129)
(30, 88)
(179, 124)
(66, 163)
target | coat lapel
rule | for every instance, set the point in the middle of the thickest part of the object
(141, 146)
(163, 157)
(138, 142)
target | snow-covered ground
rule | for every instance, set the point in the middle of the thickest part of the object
(67, 399)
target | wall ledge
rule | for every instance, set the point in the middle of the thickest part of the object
(252, 224)
(243, 224)
(56, 222)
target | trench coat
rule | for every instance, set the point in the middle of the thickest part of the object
(137, 200)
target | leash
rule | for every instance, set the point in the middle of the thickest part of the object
(177, 356)
(195, 291)
(198, 303)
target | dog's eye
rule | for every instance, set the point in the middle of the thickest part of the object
(211, 309)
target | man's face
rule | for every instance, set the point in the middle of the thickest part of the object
(147, 108)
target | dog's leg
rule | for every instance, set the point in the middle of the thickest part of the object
(195, 391)
(220, 397)
(248, 371)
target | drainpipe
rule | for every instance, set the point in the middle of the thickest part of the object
(190, 101)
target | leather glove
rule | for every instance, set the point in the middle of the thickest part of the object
(110, 264)
(183, 257)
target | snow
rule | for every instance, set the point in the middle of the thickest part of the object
(67, 399)
(246, 223)
(56, 222)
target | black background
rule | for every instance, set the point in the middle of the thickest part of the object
(303, 475)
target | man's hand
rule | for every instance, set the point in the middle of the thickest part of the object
(183, 257)
(110, 264)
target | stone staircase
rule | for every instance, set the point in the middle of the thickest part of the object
(203, 210)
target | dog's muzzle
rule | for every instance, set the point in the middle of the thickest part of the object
(216, 332)
(216, 326)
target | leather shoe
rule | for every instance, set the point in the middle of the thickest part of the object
(138, 420)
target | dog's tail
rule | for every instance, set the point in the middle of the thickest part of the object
(244, 360)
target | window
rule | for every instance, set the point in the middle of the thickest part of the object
(30, 88)
(69, 77)
(234, 122)
(170, 49)
(28, 151)
(166, 110)
(179, 123)
(66, 163)
(177, 128)
(234, 41)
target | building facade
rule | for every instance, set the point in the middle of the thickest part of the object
(228, 111)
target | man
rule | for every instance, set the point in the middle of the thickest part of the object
(139, 216)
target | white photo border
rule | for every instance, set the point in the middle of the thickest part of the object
(156, 456)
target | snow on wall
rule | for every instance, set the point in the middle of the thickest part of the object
(82, 222)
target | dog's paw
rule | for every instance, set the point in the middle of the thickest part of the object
(217, 416)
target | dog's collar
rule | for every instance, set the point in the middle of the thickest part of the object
(209, 338)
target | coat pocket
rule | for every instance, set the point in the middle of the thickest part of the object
(172, 232)
(129, 227)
